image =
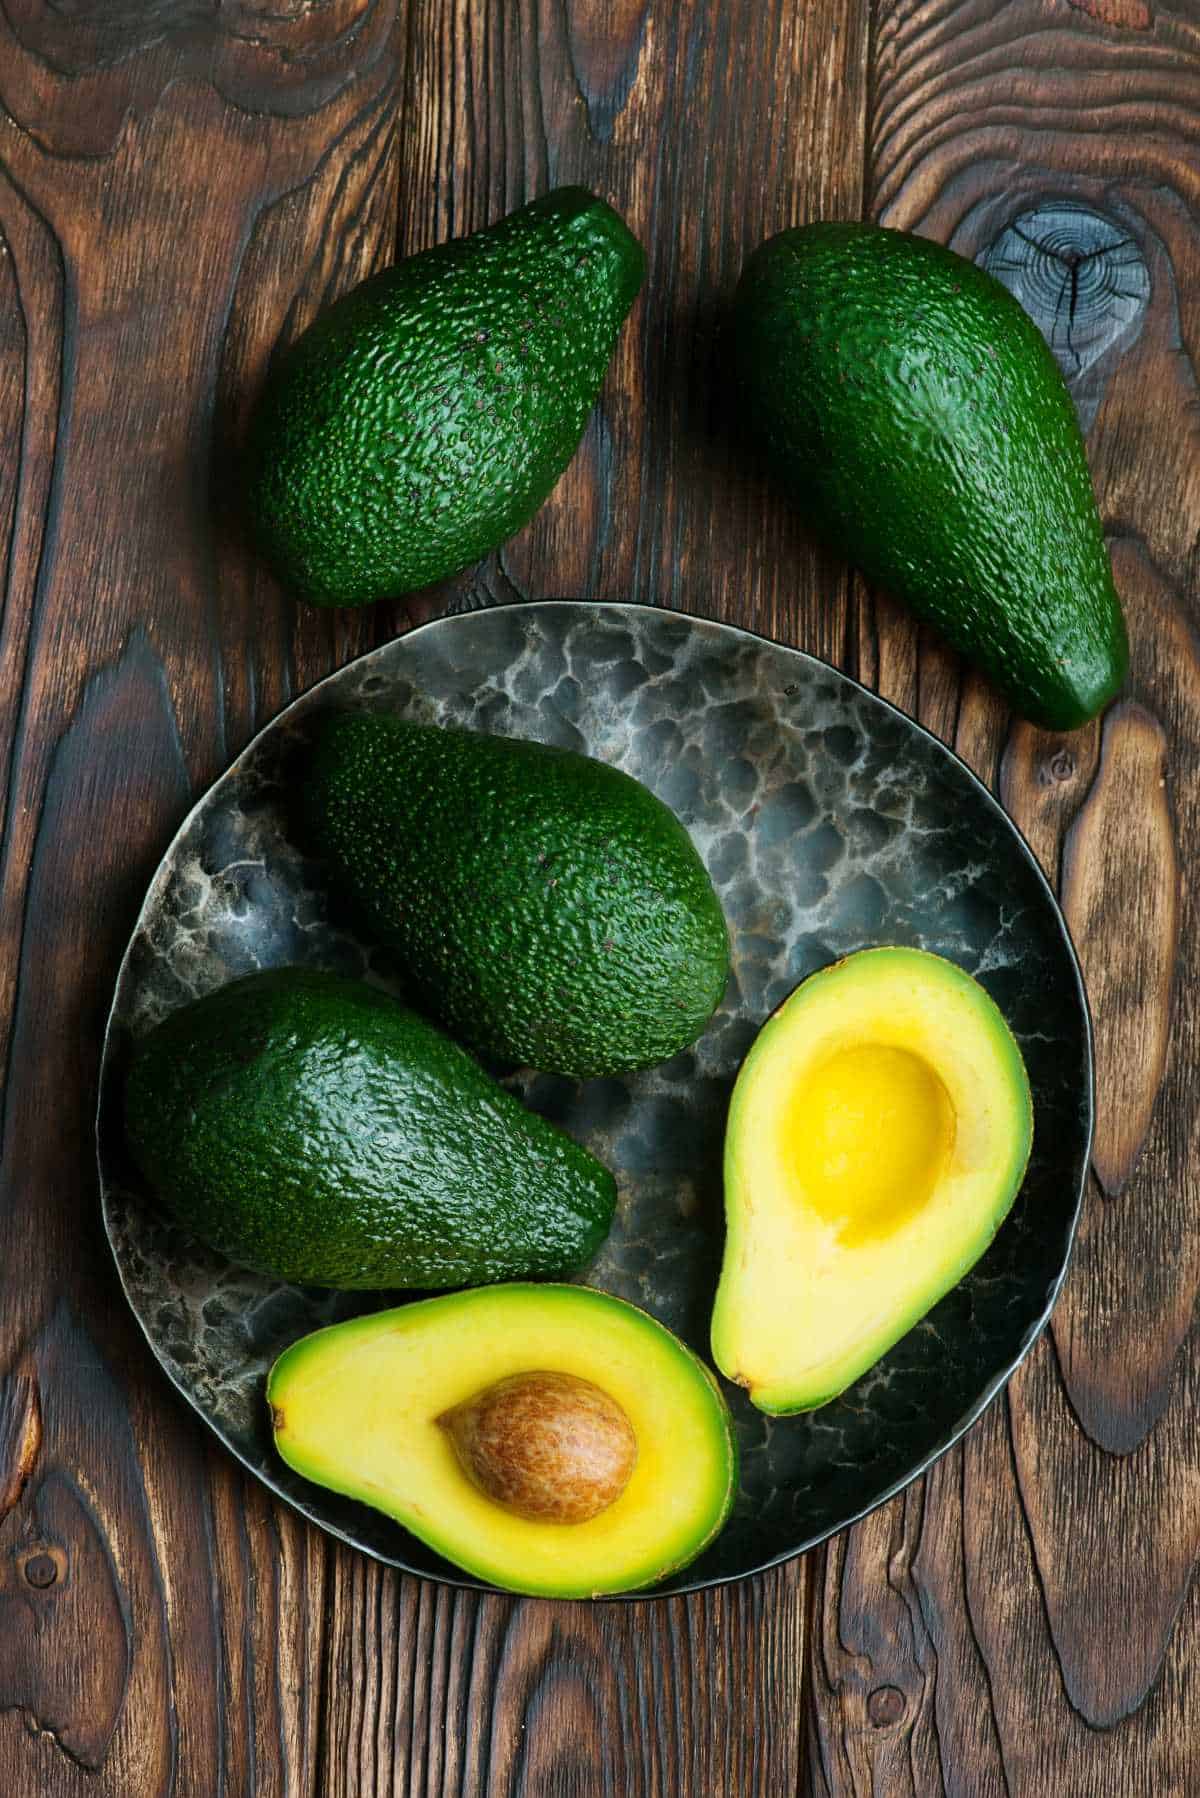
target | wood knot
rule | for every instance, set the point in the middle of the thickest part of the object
(1082, 279)
(1060, 766)
(42, 1569)
(885, 1707)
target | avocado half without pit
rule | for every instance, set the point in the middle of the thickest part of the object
(878, 1134)
(549, 1439)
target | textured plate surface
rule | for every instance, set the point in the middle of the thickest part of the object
(829, 822)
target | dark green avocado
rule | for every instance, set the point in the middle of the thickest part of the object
(919, 417)
(313, 1129)
(549, 909)
(425, 416)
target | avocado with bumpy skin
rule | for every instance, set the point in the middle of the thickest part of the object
(425, 416)
(921, 421)
(549, 908)
(549, 1439)
(313, 1129)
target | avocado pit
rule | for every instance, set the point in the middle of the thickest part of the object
(550, 1447)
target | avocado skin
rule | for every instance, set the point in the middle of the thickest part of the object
(426, 416)
(313, 1129)
(920, 418)
(549, 909)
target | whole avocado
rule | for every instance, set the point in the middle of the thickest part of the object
(313, 1129)
(425, 416)
(549, 908)
(921, 420)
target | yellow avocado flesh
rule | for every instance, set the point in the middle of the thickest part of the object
(355, 1408)
(878, 1134)
(868, 1137)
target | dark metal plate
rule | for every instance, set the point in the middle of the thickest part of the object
(829, 822)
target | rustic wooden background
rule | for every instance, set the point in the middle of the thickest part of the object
(184, 182)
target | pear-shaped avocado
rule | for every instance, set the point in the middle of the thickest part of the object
(549, 1439)
(920, 419)
(878, 1134)
(425, 417)
(311, 1128)
(549, 908)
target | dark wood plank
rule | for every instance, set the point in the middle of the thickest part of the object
(648, 102)
(175, 190)
(973, 1636)
(1024, 1623)
(433, 1691)
(1119, 860)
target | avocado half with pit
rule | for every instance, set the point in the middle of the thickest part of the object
(878, 1134)
(550, 1439)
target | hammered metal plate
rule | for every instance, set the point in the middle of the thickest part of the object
(828, 822)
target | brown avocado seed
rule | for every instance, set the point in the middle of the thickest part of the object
(548, 1446)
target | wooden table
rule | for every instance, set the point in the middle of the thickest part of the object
(184, 185)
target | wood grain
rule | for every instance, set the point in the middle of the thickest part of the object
(441, 1692)
(1119, 856)
(1132, 15)
(181, 188)
(161, 1623)
(20, 1433)
(644, 103)
(192, 1638)
(1032, 1603)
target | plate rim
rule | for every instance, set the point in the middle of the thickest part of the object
(453, 1580)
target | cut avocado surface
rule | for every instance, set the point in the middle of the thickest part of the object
(878, 1134)
(369, 1409)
